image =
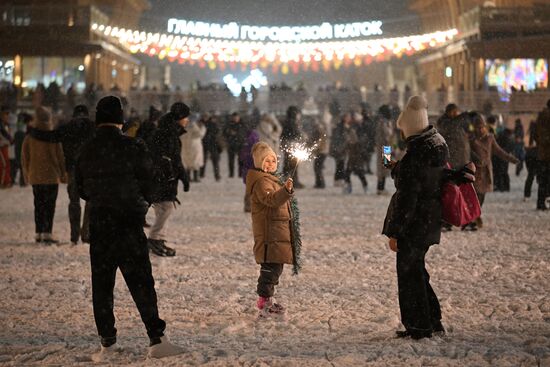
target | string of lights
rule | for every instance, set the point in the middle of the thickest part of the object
(284, 57)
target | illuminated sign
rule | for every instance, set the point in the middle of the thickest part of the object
(324, 31)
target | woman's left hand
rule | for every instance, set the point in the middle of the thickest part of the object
(393, 244)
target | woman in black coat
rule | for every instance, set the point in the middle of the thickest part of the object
(165, 146)
(413, 220)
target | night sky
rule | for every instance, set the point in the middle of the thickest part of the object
(398, 19)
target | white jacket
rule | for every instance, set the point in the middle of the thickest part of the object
(192, 154)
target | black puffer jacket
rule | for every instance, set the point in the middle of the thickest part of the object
(414, 212)
(165, 146)
(115, 171)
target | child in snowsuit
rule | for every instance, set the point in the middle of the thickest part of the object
(271, 224)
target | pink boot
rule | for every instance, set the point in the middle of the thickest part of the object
(268, 307)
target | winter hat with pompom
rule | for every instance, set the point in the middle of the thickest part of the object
(260, 151)
(414, 118)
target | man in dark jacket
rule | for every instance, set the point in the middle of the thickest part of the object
(114, 174)
(72, 135)
(235, 136)
(413, 220)
(165, 146)
(290, 135)
(542, 138)
(210, 144)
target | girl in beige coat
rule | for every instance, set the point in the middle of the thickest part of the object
(271, 225)
(44, 168)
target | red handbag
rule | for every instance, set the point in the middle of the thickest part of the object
(460, 204)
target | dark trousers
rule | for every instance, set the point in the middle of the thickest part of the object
(15, 167)
(544, 184)
(318, 167)
(75, 211)
(500, 175)
(481, 198)
(233, 153)
(340, 172)
(381, 183)
(214, 155)
(45, 197)
(269, 278)
(420, 310)
(117, 241)
(359, 172)
(531, 164)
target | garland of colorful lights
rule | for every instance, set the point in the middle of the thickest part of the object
(215, 53)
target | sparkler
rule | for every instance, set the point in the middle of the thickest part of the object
(301, 152)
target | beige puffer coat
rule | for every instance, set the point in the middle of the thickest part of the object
(271, 218)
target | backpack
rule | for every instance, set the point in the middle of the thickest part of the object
(459, 203)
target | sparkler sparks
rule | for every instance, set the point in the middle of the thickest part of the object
(301, 152)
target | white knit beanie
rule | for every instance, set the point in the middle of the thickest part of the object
(260, 151)
(414, 118)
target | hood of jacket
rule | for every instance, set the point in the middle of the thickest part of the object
(426, 142)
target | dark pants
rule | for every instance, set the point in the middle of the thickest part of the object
(500, 175)
(75, 211)
(269, 278)
(544, 184)
(45, 197)
(214, 155)
(15, 167)
(481, 198)
(531, 164)
(117, 241)
(381, 184)
(233, 153)
(359, 172)
(318, 167)
(340, 172)
(420, 310)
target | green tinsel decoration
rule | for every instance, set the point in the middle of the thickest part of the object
(296, 236)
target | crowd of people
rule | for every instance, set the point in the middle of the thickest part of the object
(123, 167)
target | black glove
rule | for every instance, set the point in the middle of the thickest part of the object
(459, 177)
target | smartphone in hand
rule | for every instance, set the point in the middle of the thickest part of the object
(386, 155)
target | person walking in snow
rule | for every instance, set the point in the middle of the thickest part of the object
(542, 138)
(165, 146)
(413, 219)
(114, 173)
(211, 144)
(384, 136)
(271, 225)
(247, 161)
(353, 155)
(269, 130)
(290, 135)
(234, 134)
(72, 136)
(5, 141)
(192, 152)
(484, 147)
(44, 168)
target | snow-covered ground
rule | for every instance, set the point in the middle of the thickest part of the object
(494, 287)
